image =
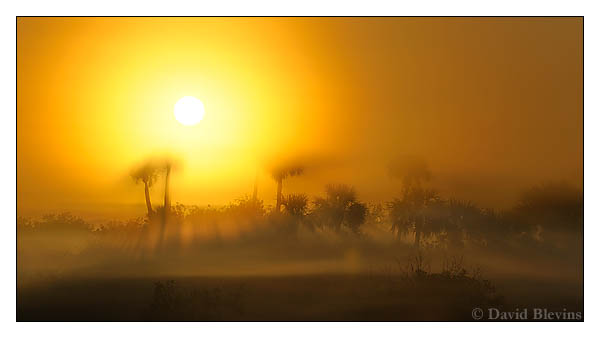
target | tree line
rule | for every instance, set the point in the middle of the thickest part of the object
(418, 210)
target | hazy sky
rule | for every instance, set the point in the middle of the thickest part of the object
(493, 104)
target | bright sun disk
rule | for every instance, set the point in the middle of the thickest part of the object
(189, 110)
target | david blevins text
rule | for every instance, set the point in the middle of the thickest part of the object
(534, 314)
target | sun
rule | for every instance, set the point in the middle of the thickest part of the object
(189, 110)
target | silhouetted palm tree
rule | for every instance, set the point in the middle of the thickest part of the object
(296, 204)
(419, 211)
(462, 218)
(338, 198)
(281, 173)
(167, 166)
(551, 212)
(411, 170)
(340, 208)
(356, 215)
(147, 173)
(411, 212)
(553, 205)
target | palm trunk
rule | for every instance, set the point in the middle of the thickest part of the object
(279, 187)
(167, 199)
(147, 193)
(167, 209)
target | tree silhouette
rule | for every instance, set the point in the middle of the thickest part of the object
(146, 173)
(419, 211)
(296, 205)
(415, 210)
(356, 215)
(167, 166)
(411, 170)
(340, 208)
(553, 205)
(462, 218)
(281, 173)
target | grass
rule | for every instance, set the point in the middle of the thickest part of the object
(69, 270)
(419, 296)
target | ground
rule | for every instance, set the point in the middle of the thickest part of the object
(342, 297)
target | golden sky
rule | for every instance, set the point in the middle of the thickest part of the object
(493, 104)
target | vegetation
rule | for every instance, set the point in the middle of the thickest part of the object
(147, 174)
(549, 215)
(335, 233)
(279, 174)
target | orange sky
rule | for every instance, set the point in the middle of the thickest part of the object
(493, 104)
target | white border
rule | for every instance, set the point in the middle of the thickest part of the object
(307, 7)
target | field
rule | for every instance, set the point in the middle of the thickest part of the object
(286, 298)
(68, 273)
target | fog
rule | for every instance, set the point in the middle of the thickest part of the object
(493, 105)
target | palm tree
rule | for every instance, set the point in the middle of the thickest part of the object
(419, 211)
(463, 218)
(147, 173)
(409, 213)
(552, 212)
(412, 171)
(356, 216)
(553, 205)
(296, 205)
(281, 173)
(340, 208)
(168, 164)
(339, 198)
